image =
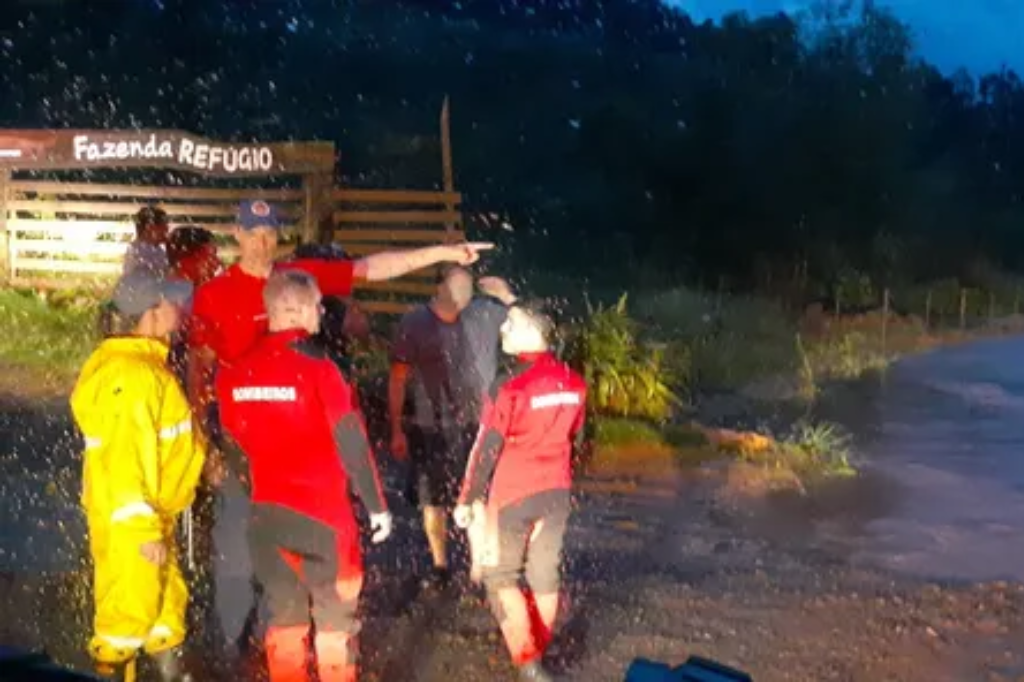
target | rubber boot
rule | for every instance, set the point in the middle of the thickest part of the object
(170, 667)
(111, 672)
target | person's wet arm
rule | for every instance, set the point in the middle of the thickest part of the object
(490, 442)
(350, 438)
(387, 265)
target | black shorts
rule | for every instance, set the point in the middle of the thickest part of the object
(438, 458)
(306, 568)
(529, 543)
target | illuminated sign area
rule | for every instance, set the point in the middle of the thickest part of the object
(203, 156)
(68, 149)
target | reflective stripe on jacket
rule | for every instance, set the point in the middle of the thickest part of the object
(142, 457)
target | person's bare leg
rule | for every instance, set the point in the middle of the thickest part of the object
(435, 525)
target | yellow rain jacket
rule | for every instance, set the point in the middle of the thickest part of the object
(141, 465)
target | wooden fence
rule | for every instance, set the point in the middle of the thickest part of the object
(62, 234)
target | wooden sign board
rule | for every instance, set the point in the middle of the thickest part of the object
(83, 149)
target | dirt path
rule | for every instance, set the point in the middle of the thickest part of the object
(658, 569)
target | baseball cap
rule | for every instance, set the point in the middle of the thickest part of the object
(139, 290)
(257, 213)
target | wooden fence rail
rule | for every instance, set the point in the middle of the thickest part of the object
(74, 234)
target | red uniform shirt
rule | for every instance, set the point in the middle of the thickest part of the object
(286, 406)
(228, 313)
(527, 433)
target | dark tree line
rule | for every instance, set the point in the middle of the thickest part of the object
(621, 140)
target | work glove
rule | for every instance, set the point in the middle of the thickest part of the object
(380, 524)
(463, 516)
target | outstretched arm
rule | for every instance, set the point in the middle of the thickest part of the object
(391, 264)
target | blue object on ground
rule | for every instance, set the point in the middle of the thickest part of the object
(696, 669)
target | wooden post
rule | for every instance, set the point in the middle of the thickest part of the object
(5, 242)
(963, 309)
(928, 311)
(885, 319)
(448, 175)
(318, 209)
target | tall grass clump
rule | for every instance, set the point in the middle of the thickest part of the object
(627, 376)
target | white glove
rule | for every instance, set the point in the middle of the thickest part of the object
(463, 516)
(380, 524)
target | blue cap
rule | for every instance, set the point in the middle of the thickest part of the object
(257, 213)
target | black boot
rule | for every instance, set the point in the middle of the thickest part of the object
(169, 666)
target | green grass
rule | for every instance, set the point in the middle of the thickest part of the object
(49, 337)
(819, 450)
(811, 451)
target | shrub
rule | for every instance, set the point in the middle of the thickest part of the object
(626, 377)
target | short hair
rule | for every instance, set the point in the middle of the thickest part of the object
(150, 215)
(187, 240)
(289, 283)
(537, 313)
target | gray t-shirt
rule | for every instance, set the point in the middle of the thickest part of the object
(453, 364)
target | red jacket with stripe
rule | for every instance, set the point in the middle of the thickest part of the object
(287, 409)
(528, 429)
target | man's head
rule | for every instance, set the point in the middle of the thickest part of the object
(455, 287)
(292, 300)
(192, 253)
(145, 304)
(259, 225)
(527, 329)
(152, 225)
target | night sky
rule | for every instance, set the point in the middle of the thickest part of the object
(980, 35)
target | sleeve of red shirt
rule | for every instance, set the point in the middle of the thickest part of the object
(490, 441)
(334, 277)
(350, 437)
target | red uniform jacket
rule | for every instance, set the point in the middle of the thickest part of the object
(228, 314)
(289, 411)
(527, 433)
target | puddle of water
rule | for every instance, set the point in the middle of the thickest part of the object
(949, 430)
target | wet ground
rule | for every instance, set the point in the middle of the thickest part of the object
(885, 578)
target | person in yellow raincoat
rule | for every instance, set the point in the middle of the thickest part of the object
(141, 465)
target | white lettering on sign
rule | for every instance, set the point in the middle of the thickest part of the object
(264, 394)
(200, 155)
(554, 400)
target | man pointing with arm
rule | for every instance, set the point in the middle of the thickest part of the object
(228, 318)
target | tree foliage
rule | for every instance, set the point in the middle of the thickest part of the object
(620, 139)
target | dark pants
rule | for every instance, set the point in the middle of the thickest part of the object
(307, 569)
(438, 458)
(530, 533)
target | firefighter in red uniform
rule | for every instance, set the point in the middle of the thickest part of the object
(520, 476)
(288, 414)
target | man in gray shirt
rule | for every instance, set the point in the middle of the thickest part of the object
(444, 359)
